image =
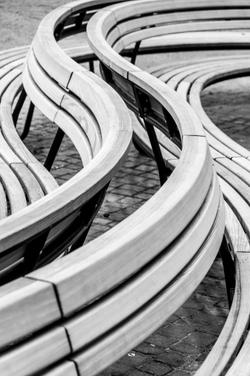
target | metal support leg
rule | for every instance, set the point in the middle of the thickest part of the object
(162, 169)
(229, 269)
(32, 252)
(91, 66)
(135, 52)
(19, 106)
(144, 106)
(92, 208)
(172, 128)
(28, 121)
(54, 149)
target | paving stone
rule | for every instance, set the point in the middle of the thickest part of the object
(185, 348)
(161, 340)
(179, 373)
(155, 368)
(149, 348)
(172, 358)
(137, 372)
(134, 359)
(179, 330)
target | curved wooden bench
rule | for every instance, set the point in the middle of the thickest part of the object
(70, 298)
(25, 180)
(233, 169)
(133, 23)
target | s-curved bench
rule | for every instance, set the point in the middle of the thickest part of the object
(164, 25)
(77, 324)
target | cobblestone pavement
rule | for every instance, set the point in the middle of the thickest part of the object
(181, 344)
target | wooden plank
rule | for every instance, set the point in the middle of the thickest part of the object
(86, 120)
(26, 306)
(104, 104)
(39, 100)
(6, 69)
(129, 25)
(45, 179)
(31, 186)
(43, 80)
(235, 169)
(233, 332)
(195, 102)
(132, 10)
(241, 187)
(235, 327)
(7, 79)
(76, 134)
(14, 191)
(239, 206)
(183, 28)
(40, 352)
(66, 368)
(243, 162)
(62, 119)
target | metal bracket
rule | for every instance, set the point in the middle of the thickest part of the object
(19, 105)
(28, 120)
(229, 269)
(143, 103)
(54, 149)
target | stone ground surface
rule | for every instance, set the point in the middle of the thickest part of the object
(181, 344)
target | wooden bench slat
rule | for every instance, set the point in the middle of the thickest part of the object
(66, 368)
(67, 102)
(45, 179)
(26, 305)
(30, 185)
(243, 162)
(55, 114)
(126, 40)
(7, 79)
(40, 352)
(236, 169)
(15, 195)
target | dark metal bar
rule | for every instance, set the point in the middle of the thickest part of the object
(59, 31)
(229, 269)
(54, 149)
(91, 66)
(19, 106)
(163, 171)
(88, 215)
(33, 251)
(172, 128)
(79, 20)
(143, 103)
(135, 52)
(28, 121)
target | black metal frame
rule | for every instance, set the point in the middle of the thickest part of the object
(226, 254)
